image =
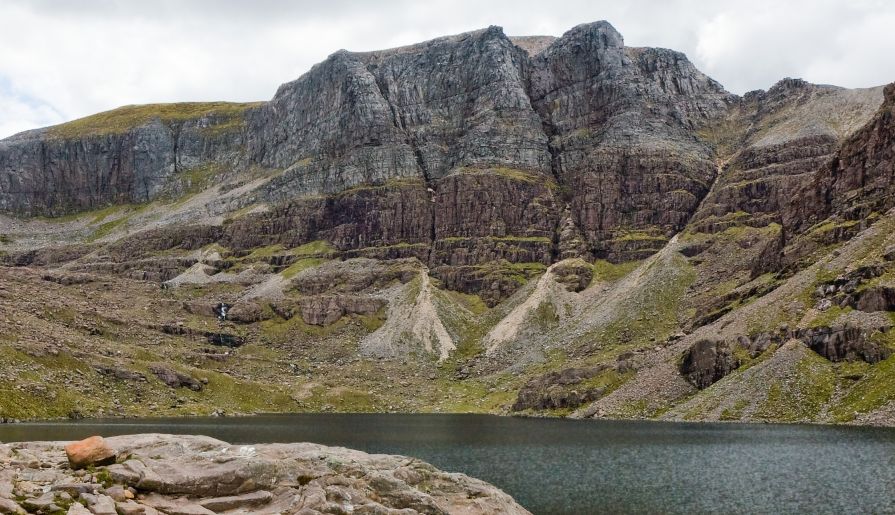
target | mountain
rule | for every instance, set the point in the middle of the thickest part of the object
(560, 226)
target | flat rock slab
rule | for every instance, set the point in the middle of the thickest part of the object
(175, 506)
(233, 502)
(197, 475)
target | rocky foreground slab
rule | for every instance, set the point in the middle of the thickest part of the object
(194, 475)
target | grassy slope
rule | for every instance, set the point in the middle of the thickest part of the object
(123, 119)
(291, 366)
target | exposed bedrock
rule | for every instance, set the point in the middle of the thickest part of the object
(620, 122)
(856, 182)
(494, 135)
(844, 343)
(327, 309)
(557, 390)
(417, 111)
(185, 474)
(131, 155)
(485, 160)
(355, 275)
(707, 362)
(773, 144)
(758, 183)
(394, 213)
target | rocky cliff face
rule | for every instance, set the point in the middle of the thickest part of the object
(130, 155)
(772, 143)
(621, 122)
(470, 145)
(856, 182)
(418, 111)
(505, 142)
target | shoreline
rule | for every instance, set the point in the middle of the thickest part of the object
(122, 421)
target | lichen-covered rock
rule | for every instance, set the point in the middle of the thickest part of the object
(197, 474)
(574, 274)
(247, 312)
(10, 507)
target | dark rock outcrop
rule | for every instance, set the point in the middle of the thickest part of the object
(844, 343)
(849, 290)
(327, 309)
(175, 379)
(760, 342)
(558, 390)
(876, 298)
(707, 362)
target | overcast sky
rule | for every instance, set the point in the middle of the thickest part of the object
(62, 59)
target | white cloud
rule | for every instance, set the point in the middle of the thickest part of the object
(62, 60)
(18, 114)
(751, 46)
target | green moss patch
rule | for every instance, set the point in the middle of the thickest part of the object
(300, 266)
(507, 239)
(802, 395)
(873, 391)
(604, 271)
(126, 118)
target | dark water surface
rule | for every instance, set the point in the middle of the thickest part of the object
(568, 466)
